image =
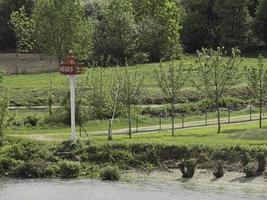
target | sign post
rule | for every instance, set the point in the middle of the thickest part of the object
(71, 68)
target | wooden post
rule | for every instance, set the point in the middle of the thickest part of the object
(229, 116)
(137, 123)
(182, 120)
(206, 118)
(110, 130)
(250, 113)
(160, 123)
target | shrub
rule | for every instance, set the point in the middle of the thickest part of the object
(69, 169)
(261, 162)
(218, 170)
(188, 167)
(7, 164)
(31, 169)
(250, 169)
(30, 121)
(245, 158)
(110, 173)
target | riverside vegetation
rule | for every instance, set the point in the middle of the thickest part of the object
(33, 159)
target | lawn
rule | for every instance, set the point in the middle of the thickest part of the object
(33, 89)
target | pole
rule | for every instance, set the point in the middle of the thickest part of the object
(229, 116)
(206, 118)
(182, 120)
(72, 78)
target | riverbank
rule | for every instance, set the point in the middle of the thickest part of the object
(202, 180)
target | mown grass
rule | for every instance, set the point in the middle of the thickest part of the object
(245, 135)
(33, 89)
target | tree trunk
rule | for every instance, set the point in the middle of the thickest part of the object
(260, 123)
(17, 52)
(129, 121)
(172, 115)
(219, 119)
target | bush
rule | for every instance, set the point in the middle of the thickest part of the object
(250, 170)
(245, 158)
(31, 169)
(7, 164)
(188, 168)
(110, 173)
(69, 169)
(261, 162)
(218, 170)
(30, 121)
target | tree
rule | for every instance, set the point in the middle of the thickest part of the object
(171, 83)
(57, 25)
(159, 26)
(257, 80)
(217, 74)
(3, 110)
(7, 36)
(131, 89)
(261, 21)
(115, 35)
(233, 23)
(199, 25)
(24, 28)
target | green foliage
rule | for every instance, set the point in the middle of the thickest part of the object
(3, 113)
(261, 162)
(30, 121)
(115, 35)
(7, 164)
(57, 24)
(158, 23)
(69, 169)
(24, 28)
(188, 167)
(216, 75)
(218, 170)
(261, 20)
(110, 173)
(171, 82)
(250, 170)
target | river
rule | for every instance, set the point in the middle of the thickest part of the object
(86, 189)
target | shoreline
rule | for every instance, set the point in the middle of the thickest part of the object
(203, 179)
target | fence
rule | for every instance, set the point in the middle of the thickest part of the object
(184, 121)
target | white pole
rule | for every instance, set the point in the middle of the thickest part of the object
(73, 136)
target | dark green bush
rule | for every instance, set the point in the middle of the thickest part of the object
(188, 168)
(245, 158)
(218, 170)
(261, 162)
(69, 169)
(30, 121)
(7, 164)
(31, 169)
(110, 173)
(250, 169)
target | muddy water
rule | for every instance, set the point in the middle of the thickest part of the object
(11, 189)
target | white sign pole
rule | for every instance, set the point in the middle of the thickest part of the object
(73, 136)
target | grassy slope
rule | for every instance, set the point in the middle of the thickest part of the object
(24, 88)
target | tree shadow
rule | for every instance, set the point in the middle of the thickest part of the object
(184, 180)
(230, 131)
(214, 179)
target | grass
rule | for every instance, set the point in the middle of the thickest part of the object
(246, 135)
(34, 89)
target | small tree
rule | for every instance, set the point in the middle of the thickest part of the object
(171, 83)
(257, 81)
(216, 74)
(24, 28)
(131, 89)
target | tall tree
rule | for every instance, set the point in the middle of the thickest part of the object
(233, 21)
(115, 35)
(24, 28)
(159, 26)
(131, 90)
(57, 24)
(171, 83)
(261, 21)
(3, 110)
(7, 36)
(257, 80)
(216, 74)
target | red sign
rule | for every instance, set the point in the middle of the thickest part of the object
(70, 66)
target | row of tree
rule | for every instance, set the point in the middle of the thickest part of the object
(213, 73)
(131, 31)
